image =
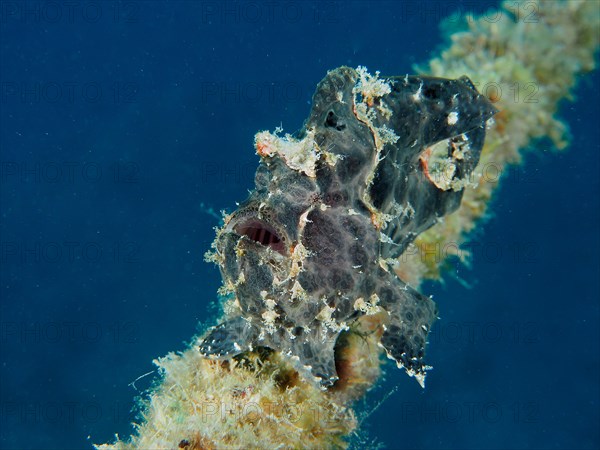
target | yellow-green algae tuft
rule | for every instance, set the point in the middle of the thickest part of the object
(255, 401)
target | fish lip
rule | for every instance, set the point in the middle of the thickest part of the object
(259, 231)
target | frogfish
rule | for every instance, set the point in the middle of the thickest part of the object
(312, 249)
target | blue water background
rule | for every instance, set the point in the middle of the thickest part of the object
(125, 125)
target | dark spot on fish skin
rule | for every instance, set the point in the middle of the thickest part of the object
(358, 255)
(308, 281)
(354, 227)
(348, 167)
(418, 340)
(340, 281)
(332, 121)
(325, 175)
(431, 92)
(335, 198)
(383, 183)
(386, 295)
(322, 237)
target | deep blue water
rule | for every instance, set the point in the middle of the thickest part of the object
(124, 124)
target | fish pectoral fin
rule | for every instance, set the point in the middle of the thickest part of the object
(315, 356)
(411, 316)
(228, 339)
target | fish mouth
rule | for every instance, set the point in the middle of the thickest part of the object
(262, 233)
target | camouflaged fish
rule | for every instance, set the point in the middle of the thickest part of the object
(378, 161)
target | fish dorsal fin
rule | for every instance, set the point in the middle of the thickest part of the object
(434, 129)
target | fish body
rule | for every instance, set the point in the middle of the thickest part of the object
(378, 161)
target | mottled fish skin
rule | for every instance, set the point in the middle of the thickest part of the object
(305, 255)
